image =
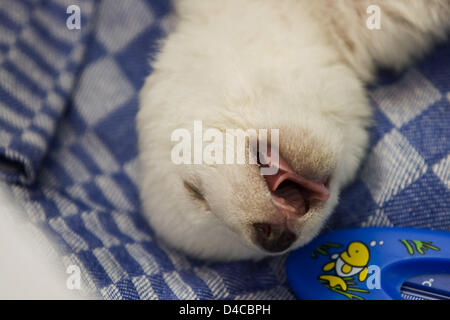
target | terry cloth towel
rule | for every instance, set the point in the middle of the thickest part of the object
(68, 100)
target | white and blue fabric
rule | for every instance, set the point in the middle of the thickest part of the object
(68, 100)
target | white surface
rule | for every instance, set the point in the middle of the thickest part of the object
(29, 268)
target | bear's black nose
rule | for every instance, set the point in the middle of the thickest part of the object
(273, 238)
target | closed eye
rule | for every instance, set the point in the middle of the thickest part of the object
(196, 195)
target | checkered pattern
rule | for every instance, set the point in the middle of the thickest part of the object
(68, 99)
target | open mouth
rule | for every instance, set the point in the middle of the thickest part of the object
(291, 193)
(289, 197)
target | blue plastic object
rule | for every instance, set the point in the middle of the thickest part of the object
(372, 264)
(427, 287)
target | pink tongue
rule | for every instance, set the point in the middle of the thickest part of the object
(291, 192)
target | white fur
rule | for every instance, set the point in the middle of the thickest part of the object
(295, 65)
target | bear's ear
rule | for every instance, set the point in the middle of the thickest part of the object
(363, 274)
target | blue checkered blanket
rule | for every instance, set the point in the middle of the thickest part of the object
(68, 100)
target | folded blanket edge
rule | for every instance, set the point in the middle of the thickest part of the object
(15, 168)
